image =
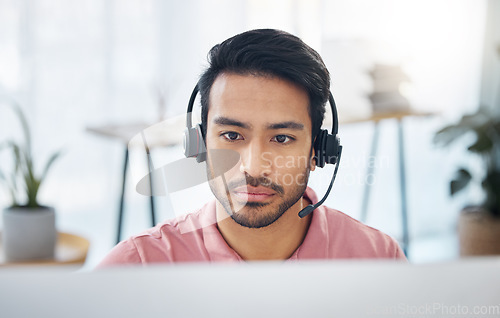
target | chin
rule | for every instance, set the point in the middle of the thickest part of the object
(256, 215)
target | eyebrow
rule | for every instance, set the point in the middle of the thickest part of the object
(225, 121)
(286, 125)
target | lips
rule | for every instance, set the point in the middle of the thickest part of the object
(254, 194)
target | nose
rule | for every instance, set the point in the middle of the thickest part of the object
(255, 161)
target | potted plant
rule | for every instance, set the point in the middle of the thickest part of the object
(29, 230)
(478, 226)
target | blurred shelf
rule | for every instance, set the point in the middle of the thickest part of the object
(376, 117)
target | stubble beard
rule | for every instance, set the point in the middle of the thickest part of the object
(256, 214)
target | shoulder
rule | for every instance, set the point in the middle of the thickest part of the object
(169, 232)
(352, 238)
(168, 241)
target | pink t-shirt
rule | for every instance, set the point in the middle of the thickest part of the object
(195, 238)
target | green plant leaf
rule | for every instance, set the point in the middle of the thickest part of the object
(491, 186)
(29, 174)
(49, 164)
(32, 185)
(22, 172)
(448, 134)
(24, 124)
(3, 178)
(33, 193)
(461, 180)
(483, 143)
(10, 185)
(23, 181)
(491, 182)
(468, 123)
(16, 150)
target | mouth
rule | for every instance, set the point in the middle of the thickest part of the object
(253, 194)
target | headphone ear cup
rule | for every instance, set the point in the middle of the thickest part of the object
(332, 148)
(326, 148)
(194, 143)
(202, 148)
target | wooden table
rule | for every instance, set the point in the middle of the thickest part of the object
(70, 250)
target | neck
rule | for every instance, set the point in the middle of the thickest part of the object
(277, 241)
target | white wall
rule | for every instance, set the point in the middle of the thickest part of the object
(78, 63)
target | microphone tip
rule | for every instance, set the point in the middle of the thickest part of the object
(306, 211)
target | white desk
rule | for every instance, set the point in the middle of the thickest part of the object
(309, 289)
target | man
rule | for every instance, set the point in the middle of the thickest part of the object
(263, 97)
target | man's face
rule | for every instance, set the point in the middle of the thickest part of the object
(265, 120)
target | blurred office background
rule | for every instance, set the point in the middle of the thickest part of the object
(74, 64)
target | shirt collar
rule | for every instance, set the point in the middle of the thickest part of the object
(315, 243)
(215, 244)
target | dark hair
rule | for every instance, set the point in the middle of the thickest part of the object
(269, 52)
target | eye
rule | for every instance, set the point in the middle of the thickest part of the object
(232, 136)
(283, 139)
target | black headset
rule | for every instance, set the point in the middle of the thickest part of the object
(327, 146)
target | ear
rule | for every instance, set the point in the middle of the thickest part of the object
(313, 159)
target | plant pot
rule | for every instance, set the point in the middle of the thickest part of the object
(29, 234)
(479, 232)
